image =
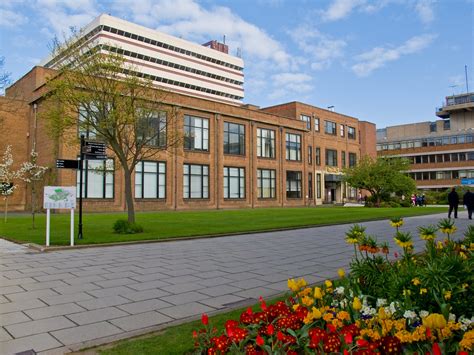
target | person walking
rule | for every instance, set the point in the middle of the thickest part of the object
(468, 201)
(453, 200)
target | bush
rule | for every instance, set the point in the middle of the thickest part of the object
(122, 226)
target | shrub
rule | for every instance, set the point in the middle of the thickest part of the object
(122, 226)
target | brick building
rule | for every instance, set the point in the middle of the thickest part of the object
(233, 155)
(441, 152)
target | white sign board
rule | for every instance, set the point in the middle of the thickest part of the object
(59, 197)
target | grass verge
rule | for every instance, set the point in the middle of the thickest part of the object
(171, 224)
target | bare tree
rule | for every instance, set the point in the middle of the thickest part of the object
(4, 76)
(110, 101)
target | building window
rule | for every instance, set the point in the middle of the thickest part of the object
(87, 120)
(447, 125)
(293, 184)
(306, 119)
(342, 131)
(196, 133)
(265, 143)
(316, 124)
(266, 183)
(318, 185)
(310, 155)
(234, 138)
(310, 185)
(352, 160)
(293, 146)
(433, 127)
(97, 179)
(351, 132)
(318, 156)
(150, 179)
(195, 181)
(330, 127)
(343, 159)
(331, 157)
(152, 129)
(234, 182)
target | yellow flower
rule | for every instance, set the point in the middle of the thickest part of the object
(341, 273)
(343, 315)
(408, 244)
(296, 285)
(351, 240)
(467, 342)
(316, 313)
(307, 301)
(416, 281)
(318, 293)
(447, 295)
(328, 283)
(423, 290)
(465, 286)
(434, 321)
(471, 246)
(406, 292)
(382, 314)
(463, 255)
(296, 306)
(356, 304)
(439, 245)
(328, 317)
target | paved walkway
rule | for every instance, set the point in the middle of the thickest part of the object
(53, 302)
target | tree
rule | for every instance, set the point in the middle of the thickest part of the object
(31, 173)
(4, 76)
(113, 102)
(7, 177)
(381, 176)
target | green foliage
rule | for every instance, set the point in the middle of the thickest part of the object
(381, 177)
(122, 226)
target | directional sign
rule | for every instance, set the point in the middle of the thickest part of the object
(95, 157)
(467, 181)
(67, 164)
(94, 148)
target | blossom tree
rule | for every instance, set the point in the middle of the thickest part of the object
(7, 176)
(32, 173)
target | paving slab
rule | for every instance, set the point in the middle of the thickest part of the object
(106, 291)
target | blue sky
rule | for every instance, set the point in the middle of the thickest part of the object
(385, 61)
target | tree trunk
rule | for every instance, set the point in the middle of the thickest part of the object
(6, 208)
(128, 195)
(378, 201)
(33, 203)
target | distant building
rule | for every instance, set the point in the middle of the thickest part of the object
(206, 71)
(441, 152)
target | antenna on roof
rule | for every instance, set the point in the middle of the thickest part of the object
(467, 85)
(223, 41)
(239, 52)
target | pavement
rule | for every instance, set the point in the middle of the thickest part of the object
(62, 301)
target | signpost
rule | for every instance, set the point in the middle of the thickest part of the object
(467, 181)
(89, 151)
(59, 197)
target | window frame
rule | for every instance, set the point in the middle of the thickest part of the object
(330, 128)
(260, 183)
(299, 187)
(227, 132)
(226, 177)
(189, 180)
(353, 134)
(334, 159)
(204, 134)
(293, 146)
(85, 180)
(262, 143)
(317, 156)
(158, 174)
(307, 119)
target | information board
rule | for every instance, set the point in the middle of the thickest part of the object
(59, 197)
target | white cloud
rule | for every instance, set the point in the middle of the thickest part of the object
(379, 56)
(424, 9)
(340, 9)
(61, 15)
(9, 18)
(290, 83)
(321, 48)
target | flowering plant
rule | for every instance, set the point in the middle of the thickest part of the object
(413, 312)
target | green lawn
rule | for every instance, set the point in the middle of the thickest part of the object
(170, 224)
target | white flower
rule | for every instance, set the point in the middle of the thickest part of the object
(339, 290)
(381, 302)
(393, 308)
(452, 317)
(424, 314)
(343, 303)
(409, 315)
(368, 311)
(466, 322)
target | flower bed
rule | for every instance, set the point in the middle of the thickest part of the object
(419, 304)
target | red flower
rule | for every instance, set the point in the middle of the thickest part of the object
(362, 343)
(270, 329)
(280, 336)
(331, 328)
(463, 353)
(263, 305)
(391, 345)
(195, 334)
(231, 324)
(331, 343)
(395, 254)
(205, 319)
(436, 349)
(249, 311)
(346, 352)
(428, 332)
(259, 340)
(348, 338)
